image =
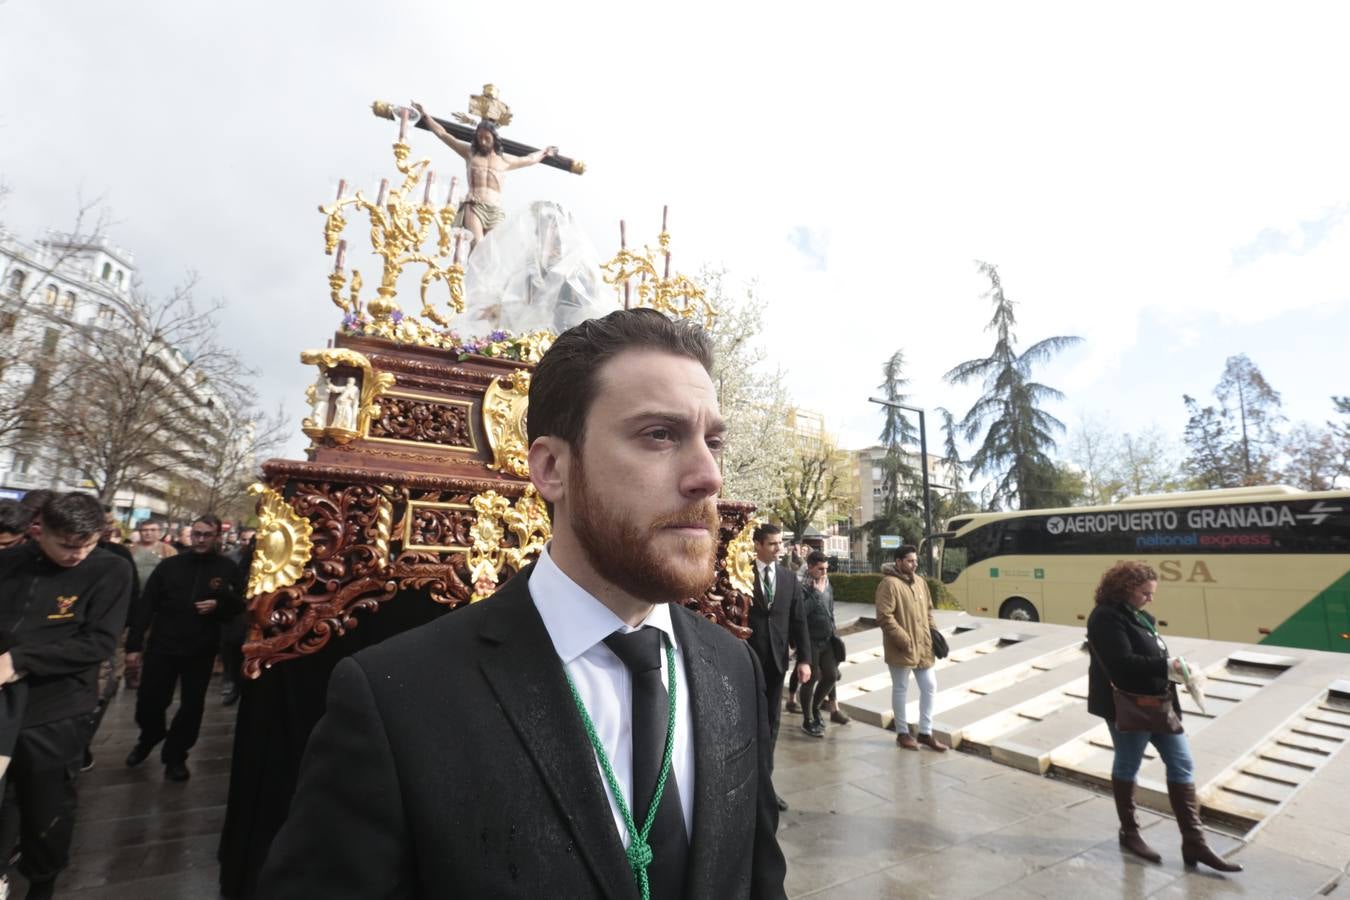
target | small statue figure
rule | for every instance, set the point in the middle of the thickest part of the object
(318, 401)
(347, 404)
(481, 210)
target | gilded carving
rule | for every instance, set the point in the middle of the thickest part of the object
(283, 545)
(337, 424)
(740, 556)
(348, 571)
(505, 406)
(678, 296)
(505, 535)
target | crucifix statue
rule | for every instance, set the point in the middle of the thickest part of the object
(487, 158)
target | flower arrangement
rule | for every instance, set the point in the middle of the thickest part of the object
(497, 345)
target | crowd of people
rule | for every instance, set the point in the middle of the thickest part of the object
(76, 604)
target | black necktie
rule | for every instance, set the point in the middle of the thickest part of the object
(641, 652)
(768, 585)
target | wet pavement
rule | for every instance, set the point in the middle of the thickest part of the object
(868, 819)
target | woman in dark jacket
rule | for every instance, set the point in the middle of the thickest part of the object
(1127, 652)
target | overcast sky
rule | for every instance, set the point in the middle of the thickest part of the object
(1169, 181)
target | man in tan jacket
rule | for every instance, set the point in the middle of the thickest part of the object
(905, 614)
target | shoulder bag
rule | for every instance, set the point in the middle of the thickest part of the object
(940, 649)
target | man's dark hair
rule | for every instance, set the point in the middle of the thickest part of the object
(491, 128)
(208, 519)
(816, 557)
(34, 501)
(906, 550)
(75, 514)
(763, 531)
(564, 383)
(14, 519)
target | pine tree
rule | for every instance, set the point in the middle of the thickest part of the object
(1018, 432)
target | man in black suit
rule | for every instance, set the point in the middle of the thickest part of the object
(777, 618)
(514, 748)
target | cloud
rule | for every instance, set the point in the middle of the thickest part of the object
(812, 244)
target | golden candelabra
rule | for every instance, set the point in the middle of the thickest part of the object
(400, 226)
(632, 271)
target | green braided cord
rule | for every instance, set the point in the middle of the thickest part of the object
(639, 852)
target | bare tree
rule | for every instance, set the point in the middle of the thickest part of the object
(229, 461)
(1312, 460)
(812, 483)
(145, 392)
(1093, 448)
(1148, 463)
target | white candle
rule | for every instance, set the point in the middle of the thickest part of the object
(426, 195)
(403, 124)
(342, 187)
(384, 189)
(341, 257)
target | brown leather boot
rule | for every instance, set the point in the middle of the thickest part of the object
(1129, 826)
(1194, 849)
(932, 743)
(906, 741)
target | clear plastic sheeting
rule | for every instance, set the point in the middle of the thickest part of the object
(535, 271)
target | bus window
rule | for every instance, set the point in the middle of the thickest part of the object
(954, 559)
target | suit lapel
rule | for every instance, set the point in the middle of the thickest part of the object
(529, 683)
(708, 700)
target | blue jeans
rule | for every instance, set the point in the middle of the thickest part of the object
(927, 681)
(1130, 745)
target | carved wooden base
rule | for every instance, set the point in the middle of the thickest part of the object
(415, 502)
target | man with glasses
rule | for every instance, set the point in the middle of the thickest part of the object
(183, 603)
(63, 600)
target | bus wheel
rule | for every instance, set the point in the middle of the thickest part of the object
(1019, 610)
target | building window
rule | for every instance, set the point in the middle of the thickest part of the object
(876, 492)
(16, 279)
(876, 473)
(50, 295)
(107, 271)
(50, 338)
(7, 322)
(21, 463)
(67, 305)
(105, 313)
(118, 279)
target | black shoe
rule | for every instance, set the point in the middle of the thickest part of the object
(176, 771)
(138, 755)
(814, 729)
(230, 697)
(88, 761)
(782, 805)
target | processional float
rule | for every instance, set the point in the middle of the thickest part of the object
(414, 497)
(416, 476)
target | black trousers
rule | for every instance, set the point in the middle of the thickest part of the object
(160, 673)
(824, 674)
(39, 802)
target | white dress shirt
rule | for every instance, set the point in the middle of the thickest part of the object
(578, 624)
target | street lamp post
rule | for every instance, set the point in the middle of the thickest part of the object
(923, 464)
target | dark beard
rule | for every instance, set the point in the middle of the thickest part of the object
(622, 552)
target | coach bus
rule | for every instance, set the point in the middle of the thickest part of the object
(1257, 565)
